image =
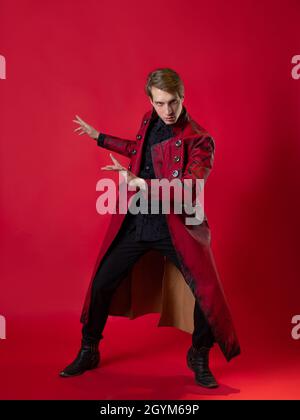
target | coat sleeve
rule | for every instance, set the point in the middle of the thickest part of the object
(200, 158)
(116, 144)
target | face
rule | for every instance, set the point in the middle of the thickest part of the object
(167, 105)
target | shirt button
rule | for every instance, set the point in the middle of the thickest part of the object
(139, 137)
(175, 173)
(178, 143)
(133, 152)
(176, 158)
(147, 168)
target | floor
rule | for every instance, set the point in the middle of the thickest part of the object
(139, 361)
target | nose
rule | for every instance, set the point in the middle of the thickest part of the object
(169, 110)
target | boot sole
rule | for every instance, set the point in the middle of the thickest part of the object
(66, 375)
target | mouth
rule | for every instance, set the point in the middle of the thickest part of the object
(170, 118)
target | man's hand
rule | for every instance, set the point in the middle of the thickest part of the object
(130, 178)
(86, 128)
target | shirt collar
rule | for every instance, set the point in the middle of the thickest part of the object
(161, 124)
(176, 127)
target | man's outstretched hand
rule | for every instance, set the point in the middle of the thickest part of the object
(130, 178)
(85, 128)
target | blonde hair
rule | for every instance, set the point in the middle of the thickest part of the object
(165, 79)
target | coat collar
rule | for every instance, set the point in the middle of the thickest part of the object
(181, 122)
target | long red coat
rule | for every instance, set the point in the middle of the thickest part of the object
(154, 284)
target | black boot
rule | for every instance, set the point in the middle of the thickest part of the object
(87, 358)
(197, 361)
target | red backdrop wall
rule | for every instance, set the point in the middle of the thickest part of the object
(91, 58)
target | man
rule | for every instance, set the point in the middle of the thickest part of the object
(183, 285)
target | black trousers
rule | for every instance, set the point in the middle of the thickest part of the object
(118, 260)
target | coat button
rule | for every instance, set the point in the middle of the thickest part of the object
(176, 158)
(178, 143)
(129, 166)
(139, 137)
(133, 151)
(175, 173)
(145, 121)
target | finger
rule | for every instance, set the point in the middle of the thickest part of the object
(79, 118)
(78, 128)
(77, 122)
(81, 125)
(81, 132)
(113, 168)
(117, 163)
(109, 167)
(81, 121)
(114, 159)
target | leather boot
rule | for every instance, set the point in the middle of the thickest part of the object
(87, 358)
(197, 361)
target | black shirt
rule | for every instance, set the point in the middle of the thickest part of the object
(150, 227)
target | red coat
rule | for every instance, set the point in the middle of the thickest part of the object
(154, 284)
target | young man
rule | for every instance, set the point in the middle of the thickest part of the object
(183, 285)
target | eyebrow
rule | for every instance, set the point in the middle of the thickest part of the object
(160, 102)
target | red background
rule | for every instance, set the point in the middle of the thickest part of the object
(91, 58)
